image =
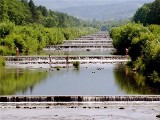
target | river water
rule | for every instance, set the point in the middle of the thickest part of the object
(90, 79)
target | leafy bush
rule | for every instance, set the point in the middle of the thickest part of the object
(143, 45)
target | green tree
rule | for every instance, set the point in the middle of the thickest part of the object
(148, 13)
(3, 10)
(18, 13)
(142, 14)
(5, 29)
(33, 11)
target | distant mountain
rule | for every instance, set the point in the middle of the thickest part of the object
(103, 10)
(60, 4)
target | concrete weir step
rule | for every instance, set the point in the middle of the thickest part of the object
(76, 98)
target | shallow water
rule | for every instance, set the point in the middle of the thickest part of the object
(91, 79)
(77, 52)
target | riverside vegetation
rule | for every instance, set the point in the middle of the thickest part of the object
(142, 39)
(30, 28)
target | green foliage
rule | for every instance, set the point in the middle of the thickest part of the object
(142, 14)
(155, 76)
(3, 10)
(30, 28)
(123, 37)
(32, 38)
(17, 12)
(76, 64)
(148, 13)
(22, 12)
(6, 28)
(143, 42)
(2, 62)
(58, 68)
(143, 45)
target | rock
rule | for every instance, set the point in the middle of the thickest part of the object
(26, 107)
(121, 108)
(17, 106)
(158, 116)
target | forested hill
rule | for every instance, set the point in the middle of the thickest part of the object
(115, 10)
(22, 12)
(30, 28)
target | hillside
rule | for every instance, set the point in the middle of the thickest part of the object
(105, 11)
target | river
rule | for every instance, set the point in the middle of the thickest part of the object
(89, 79)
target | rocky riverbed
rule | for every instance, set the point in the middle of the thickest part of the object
(81, 111)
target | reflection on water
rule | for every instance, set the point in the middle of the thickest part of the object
(134, 83)
(19, 80)
(102, 79)
(84, 81)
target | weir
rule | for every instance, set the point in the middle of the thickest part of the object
(99, 41)
(81, 46)
(77, 98)
(31, 60)
(63, 57)
(85, 42)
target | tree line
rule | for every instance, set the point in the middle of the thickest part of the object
(32, 38)
(141, 40)
(30, 28)
(148, 14)
(23, 12)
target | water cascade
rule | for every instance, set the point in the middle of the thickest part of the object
(77, 98)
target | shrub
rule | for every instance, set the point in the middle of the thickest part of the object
(76, 64)
(57, 67)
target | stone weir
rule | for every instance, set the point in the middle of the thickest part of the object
(57, 57)
(4, 99)
(64, 59)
